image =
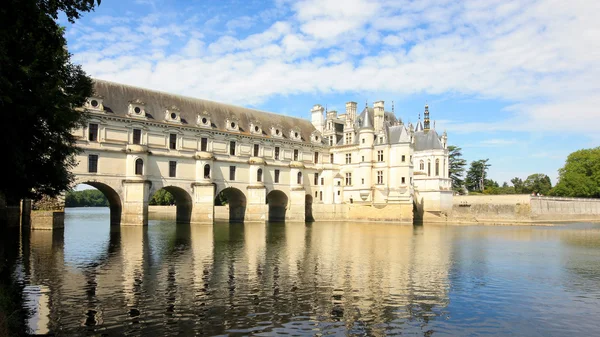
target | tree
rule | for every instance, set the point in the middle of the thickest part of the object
(477, 174)
(456, 167)
(40, 90)
(162, 198)
(537, 183)
(580, 177)
(518, 184)
(85, 198)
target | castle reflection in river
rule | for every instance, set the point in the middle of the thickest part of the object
(238, 278)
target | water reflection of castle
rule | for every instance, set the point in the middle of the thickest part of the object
(212, 279)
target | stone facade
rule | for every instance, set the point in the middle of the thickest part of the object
(268, 166)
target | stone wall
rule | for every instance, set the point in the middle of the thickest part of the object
(518, 208)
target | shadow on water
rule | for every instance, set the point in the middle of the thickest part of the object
(13, 315)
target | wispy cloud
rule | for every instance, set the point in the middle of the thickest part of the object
(543, 56)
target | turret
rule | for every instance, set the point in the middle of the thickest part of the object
(378, 115)
(317, 117)
(426, 118)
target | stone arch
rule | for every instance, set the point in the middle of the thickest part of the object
(308, 201)
(114, 199)
(236, 200)
(277, 201)
(183, 202)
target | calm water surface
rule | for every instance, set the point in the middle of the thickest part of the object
(318, 279)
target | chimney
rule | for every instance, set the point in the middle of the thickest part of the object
(351, 112)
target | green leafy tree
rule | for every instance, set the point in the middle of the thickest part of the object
(162, 198)
(40, 90)
(518, 184)
(580, 177)
(477, 174)
(537, 183)
(85, 198)
(456, 167)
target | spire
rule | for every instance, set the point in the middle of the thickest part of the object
(366, 122)
(426, 117)
(392, 106)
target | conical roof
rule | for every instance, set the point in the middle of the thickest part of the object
(419, 126)
(366, 121)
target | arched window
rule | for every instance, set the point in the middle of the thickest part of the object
(437, 167)
(259, 175)
(139, 167)
(206, 171)
(429, 168)
(299, 178)
(421, 166)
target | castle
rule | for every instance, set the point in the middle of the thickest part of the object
(363, 164)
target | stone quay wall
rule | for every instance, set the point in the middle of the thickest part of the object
(518, 208)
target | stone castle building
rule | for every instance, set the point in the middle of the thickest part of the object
(364, 163)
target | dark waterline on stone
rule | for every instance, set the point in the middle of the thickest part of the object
(310, 279)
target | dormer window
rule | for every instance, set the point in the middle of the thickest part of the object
(136, 109)
(232, 124)
(203, 120)
(276, 131)
(315, 137)
(95, 103)
(255, 128)
(295, 134)
(173, 114)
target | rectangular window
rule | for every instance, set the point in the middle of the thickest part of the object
(331, 141)
(316, 179)
(348, 179)
(331, 158)
(322, 181)
(363, 140)
(172, 168)
(316, 157)
(380, 155)
(348, 138)
(256, 148)
(93, 132)
(403, 158)
(93, 163)
(321, 196)
(362, 159)
(380, 177)
(277, 152)
(295, 155)
(231, 173)
(173, 141)
(137, 136)
(338, 192)
(403, 180)
(203, 144)
(232, 148)
(362, 181)
(380, 140)
(276, 176)
(348, 158)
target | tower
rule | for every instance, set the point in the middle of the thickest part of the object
(426, 118)
(350, 112)
(317, 117)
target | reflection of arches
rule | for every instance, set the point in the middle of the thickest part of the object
(114, 200)
(139, 166)
(206, 171)
(236, 200)
(277, 201)
(183, 202)
(308, 201)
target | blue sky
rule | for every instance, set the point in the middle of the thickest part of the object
(517, 82)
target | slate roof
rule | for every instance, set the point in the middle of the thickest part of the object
(116, 98)
(427, 141)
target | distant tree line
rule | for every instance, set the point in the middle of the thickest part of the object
(579, 177)
(95, 198)
(85, 198)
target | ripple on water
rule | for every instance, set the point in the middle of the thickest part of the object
(327, 279)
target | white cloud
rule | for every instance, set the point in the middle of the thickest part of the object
(541, 55)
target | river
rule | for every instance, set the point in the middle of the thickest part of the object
(345, 278)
